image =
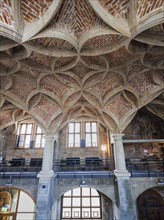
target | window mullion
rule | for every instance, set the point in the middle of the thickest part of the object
(33, 133)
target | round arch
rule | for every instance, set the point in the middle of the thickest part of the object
(150, 205)
(16, 204)
(83, 202)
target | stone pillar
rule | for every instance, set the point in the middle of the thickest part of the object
(119, 157)
(122, 187)
(48, 156)
(46, 182)
(56, 147)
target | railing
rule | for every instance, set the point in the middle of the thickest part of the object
(77, 166)
(19, 168)
(145, 167)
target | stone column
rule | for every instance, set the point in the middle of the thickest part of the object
(119, 156)
(46, 182)
(56, 147)
(122, 187)
(48, 156)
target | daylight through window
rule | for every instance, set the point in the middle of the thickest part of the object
(82, 134)
(30, 136)
(82, 203)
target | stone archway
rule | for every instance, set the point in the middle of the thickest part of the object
(89, 200)
(150, 205)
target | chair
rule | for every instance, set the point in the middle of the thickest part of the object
(72, 161)
(17, 162)
(93, 162)
(36, 162)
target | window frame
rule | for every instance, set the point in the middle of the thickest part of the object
(33, 136)
(82, 134)
(16, 212)
(81, 207)
(74, 133)
(91, 133)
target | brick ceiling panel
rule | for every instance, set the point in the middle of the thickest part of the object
(45, 109)
(32, 10)
(94, 61)
(39, 59)
(72, 99)
(110, 122)
(108, 84)
(70, 18)
(30, 73)
(94, 79)
(119, 56)
(6, 15)
(21, 87)
(68, 80)
(5, 83)
(117, 8)
(153, 60)
(101, 59)
(119, 106)
(80, 70)
(134, 68)
(147, 6)
(143, 83)
(51, 84)
(92, 99)
(5, 117)
(101, 41)
(55, 124)
(52, 43)
(63, 62)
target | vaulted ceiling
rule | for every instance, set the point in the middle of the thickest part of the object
(62, 60)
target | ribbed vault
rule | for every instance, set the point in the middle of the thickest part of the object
(89, 59)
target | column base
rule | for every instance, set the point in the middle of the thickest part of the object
(45, 174)
(122, 174)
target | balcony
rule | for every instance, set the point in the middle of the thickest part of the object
(89, 167)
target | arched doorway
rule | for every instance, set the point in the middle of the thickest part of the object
(16, 204)
(150, 205)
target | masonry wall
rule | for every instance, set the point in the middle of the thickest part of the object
(65, 151)
(144, 127)
(10, 150)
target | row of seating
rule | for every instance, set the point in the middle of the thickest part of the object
(76, 161)
(16, 162)
(70, 161)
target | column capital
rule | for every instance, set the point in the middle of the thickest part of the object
(51, 135)
(117, 136)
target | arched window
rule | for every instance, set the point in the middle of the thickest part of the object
(81, 203)
(16, 205)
